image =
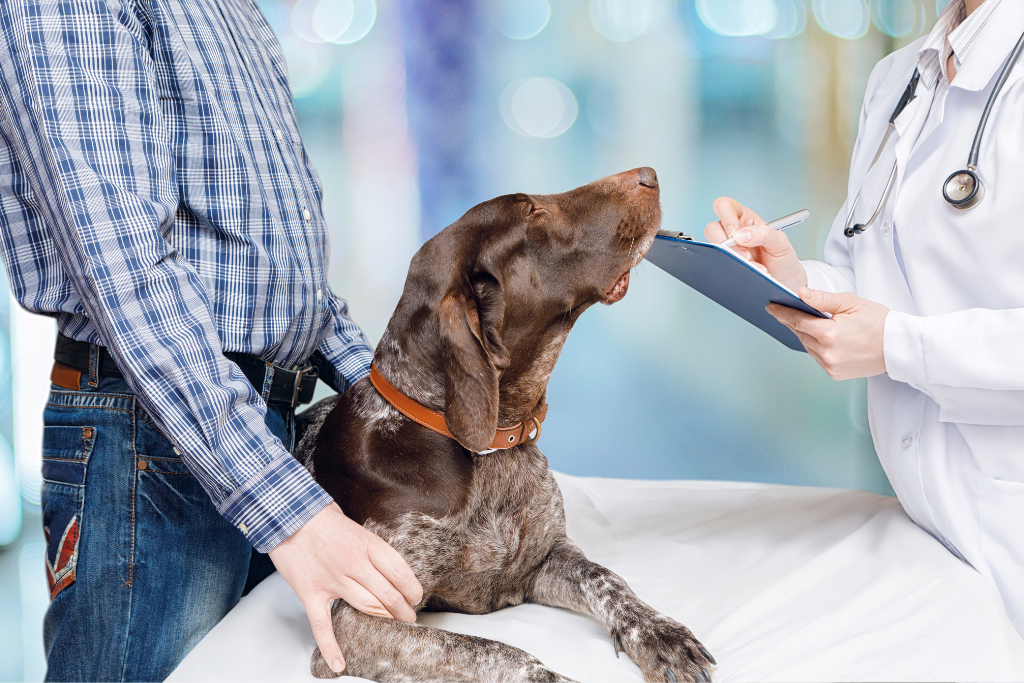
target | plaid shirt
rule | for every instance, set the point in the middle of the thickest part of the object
(155, 197)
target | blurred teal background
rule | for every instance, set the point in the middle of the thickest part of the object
(415, 110)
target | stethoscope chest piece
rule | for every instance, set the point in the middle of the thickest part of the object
(963, 189)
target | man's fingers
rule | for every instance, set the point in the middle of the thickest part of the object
(323, 632)
(382, 593)
(394, 568)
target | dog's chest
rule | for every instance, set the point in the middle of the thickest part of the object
(481, 558)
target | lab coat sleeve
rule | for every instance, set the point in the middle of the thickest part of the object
(835, 274)
(970, 362)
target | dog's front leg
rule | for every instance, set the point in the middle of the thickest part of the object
(664, 649)
(387, 650)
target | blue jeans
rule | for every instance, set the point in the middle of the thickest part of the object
(140, 564)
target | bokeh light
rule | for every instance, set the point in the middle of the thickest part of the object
(897, 18)
(848, 19)
(308, 65)
(522, 19)
(10, 501)
(538, 107)
(331, 18)
(621, 20)
(333, 21)
(302, 21)
(738, 17)
(364, 16)
(792, 19)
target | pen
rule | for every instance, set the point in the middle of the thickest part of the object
(784, 223)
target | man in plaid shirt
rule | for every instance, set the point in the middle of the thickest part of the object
(156, 199)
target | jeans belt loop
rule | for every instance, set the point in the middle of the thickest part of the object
(268, 381)
(94, 365)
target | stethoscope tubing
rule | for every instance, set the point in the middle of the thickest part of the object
(972, 160)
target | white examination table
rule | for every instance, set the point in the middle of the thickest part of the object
(780, 583)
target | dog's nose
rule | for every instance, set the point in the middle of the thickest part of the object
(648, 178)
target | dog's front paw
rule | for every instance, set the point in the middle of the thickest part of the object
(665, 650)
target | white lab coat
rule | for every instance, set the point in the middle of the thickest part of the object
(947, 418)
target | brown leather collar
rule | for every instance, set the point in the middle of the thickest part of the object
(505, 437)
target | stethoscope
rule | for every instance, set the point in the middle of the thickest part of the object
(962, 189)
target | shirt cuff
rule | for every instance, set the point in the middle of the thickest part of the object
(817, 279)
(272, 505)
(903, 347)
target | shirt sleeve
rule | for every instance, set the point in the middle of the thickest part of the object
(80, 111)
(970, 362)
(346, 352)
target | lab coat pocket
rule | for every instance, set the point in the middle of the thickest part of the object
(1001, 507)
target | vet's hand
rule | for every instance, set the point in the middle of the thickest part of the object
(331, 557)
(847, 346)
(759, 243)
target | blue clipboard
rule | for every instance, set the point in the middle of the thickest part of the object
(728, 280)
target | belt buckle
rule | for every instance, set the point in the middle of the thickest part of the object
(297, 386)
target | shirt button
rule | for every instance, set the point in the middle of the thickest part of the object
(277, 132)
(306, 214)
(907, 442)
(243, 528)
(319, 294)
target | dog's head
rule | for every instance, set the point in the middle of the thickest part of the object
(490, 299)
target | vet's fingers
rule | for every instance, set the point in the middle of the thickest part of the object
(715, 233)
(827, 302)
(319, 614)
(733, 215)
(801, 322)
(395, 569)
(774, 242)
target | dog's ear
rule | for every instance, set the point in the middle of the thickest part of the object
(473, 357)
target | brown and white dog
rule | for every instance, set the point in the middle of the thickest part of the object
(486, 309)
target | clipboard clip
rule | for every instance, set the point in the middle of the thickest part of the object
(675, 235)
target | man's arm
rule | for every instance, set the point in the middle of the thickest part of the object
(80, 111)
(88, 156)
(343, 347)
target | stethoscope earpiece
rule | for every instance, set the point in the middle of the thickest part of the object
(963, 189)
(854, 230)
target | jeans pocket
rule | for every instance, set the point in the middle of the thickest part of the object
(66, 451)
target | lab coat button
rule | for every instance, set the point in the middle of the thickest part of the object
(886, 228)
(907, 442)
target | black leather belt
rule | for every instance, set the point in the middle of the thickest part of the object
(287, 387)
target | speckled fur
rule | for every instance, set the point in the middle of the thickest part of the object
(503, 542)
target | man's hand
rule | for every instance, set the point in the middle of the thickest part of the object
(847, 346)
(759, 243)
(331, 557)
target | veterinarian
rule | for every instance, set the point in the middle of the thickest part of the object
(928, 299)
(156, 199)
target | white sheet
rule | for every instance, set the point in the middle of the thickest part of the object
(780, 583)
